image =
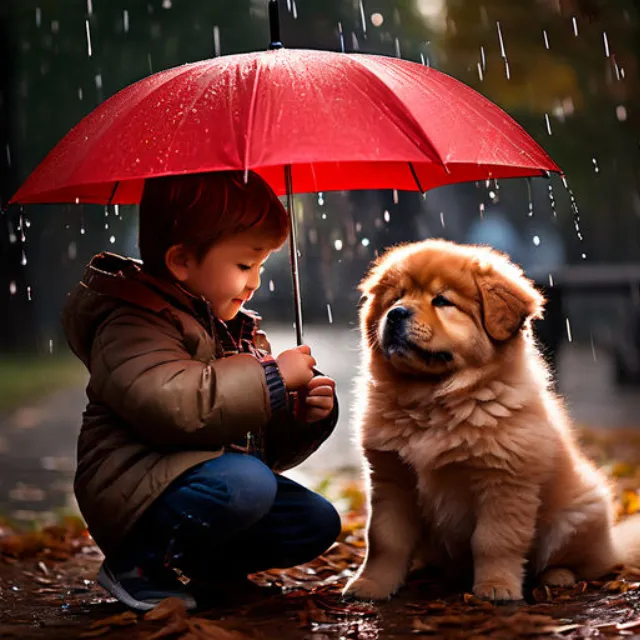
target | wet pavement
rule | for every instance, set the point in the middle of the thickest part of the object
(37, 443)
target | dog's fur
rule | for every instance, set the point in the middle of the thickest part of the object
(469, 453)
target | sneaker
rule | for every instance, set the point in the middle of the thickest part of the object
(138, 592)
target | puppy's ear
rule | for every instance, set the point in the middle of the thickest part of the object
(508, 298)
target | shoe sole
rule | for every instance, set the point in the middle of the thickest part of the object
(109, 584)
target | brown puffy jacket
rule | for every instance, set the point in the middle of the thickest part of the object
(161, 399)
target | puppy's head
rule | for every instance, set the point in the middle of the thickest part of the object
(435, 307)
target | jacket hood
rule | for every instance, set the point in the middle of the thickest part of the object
(109, 280)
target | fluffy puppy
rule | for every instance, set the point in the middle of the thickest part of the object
(469, 454)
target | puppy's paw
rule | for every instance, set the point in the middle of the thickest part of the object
(558, 577)
(363, 588)
(500, 590)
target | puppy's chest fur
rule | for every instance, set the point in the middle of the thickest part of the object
(431, 433)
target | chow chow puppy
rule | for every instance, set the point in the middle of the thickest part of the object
(470, 456)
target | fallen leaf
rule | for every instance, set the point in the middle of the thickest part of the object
(167, 608)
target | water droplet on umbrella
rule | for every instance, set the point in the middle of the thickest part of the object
(77, 200)
(88, 30)
(320, 199)
(272, 286)
(216, 40)
(338, 245)
(112, 239)
(13, 288)
(575, 26)
(377, 19)
(546, 119)
(125, 21)
(536, 240)
(569, 336)
(386, 216)
(546, 38)
(329, 314)
(365, 242)
(442, 219)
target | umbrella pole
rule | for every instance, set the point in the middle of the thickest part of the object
(293, 254)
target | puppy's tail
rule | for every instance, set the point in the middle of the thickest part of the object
(626, 538)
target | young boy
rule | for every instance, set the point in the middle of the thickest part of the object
(189, 419)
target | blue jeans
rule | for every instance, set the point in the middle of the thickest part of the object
(229, 517)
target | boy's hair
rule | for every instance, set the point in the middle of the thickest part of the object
(198, 210)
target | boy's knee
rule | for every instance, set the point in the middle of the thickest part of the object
(324, 522)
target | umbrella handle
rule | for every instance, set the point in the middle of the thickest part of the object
(293, 254)
(274, 25)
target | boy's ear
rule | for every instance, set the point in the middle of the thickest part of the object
(178, 260)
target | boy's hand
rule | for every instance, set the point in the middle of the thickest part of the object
(318, 401)
(296, 367)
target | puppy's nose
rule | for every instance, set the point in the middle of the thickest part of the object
(397, 315)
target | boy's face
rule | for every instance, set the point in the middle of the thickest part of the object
(229, 272)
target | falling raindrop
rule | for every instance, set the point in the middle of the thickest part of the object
(125, 21)
(503, 52)
(216, 40)
(116, 210)
(605, 40)
(365, 242)
(99, 81)
(395, 196)
(530, 196)
(320, 199)
(550, 280)
(483, 59)
(72, 251)
(8, 155)
(289, 6)
(272, 286)
(536, 240)
(569, 336)
(106, 226)
(106, 211)
(80, 94)
(386, 216)
(377, 19)
(112, 239)
(596, 168)
(552, 201)
(89, 7)
(593, 347)
(294, 9)
(82, 231)
(442, 219)
(363, 19)
(398, 51)
(23, 261)
(13, 288)
(38, 16)
(479, 72)
(482, 210)
(338, 245)
(575, 26)
(546, 119)
(324, 216)
(149, 63)
(355, 45)
(29, 294)
(166, 4)
(546, 38)
(621, 113)
(50, 346)
(341, 36)
(88, 30)
(329, 314)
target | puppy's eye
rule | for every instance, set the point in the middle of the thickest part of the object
(441, 301)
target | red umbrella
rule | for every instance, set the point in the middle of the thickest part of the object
(303, 120)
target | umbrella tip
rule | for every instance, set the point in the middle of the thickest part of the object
(274, 25)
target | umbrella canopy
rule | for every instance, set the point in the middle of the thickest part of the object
(340, 121)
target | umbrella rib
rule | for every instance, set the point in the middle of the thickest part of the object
(406, 113)
(415, 177)
(252, 111)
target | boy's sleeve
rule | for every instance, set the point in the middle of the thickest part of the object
(141, 369)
